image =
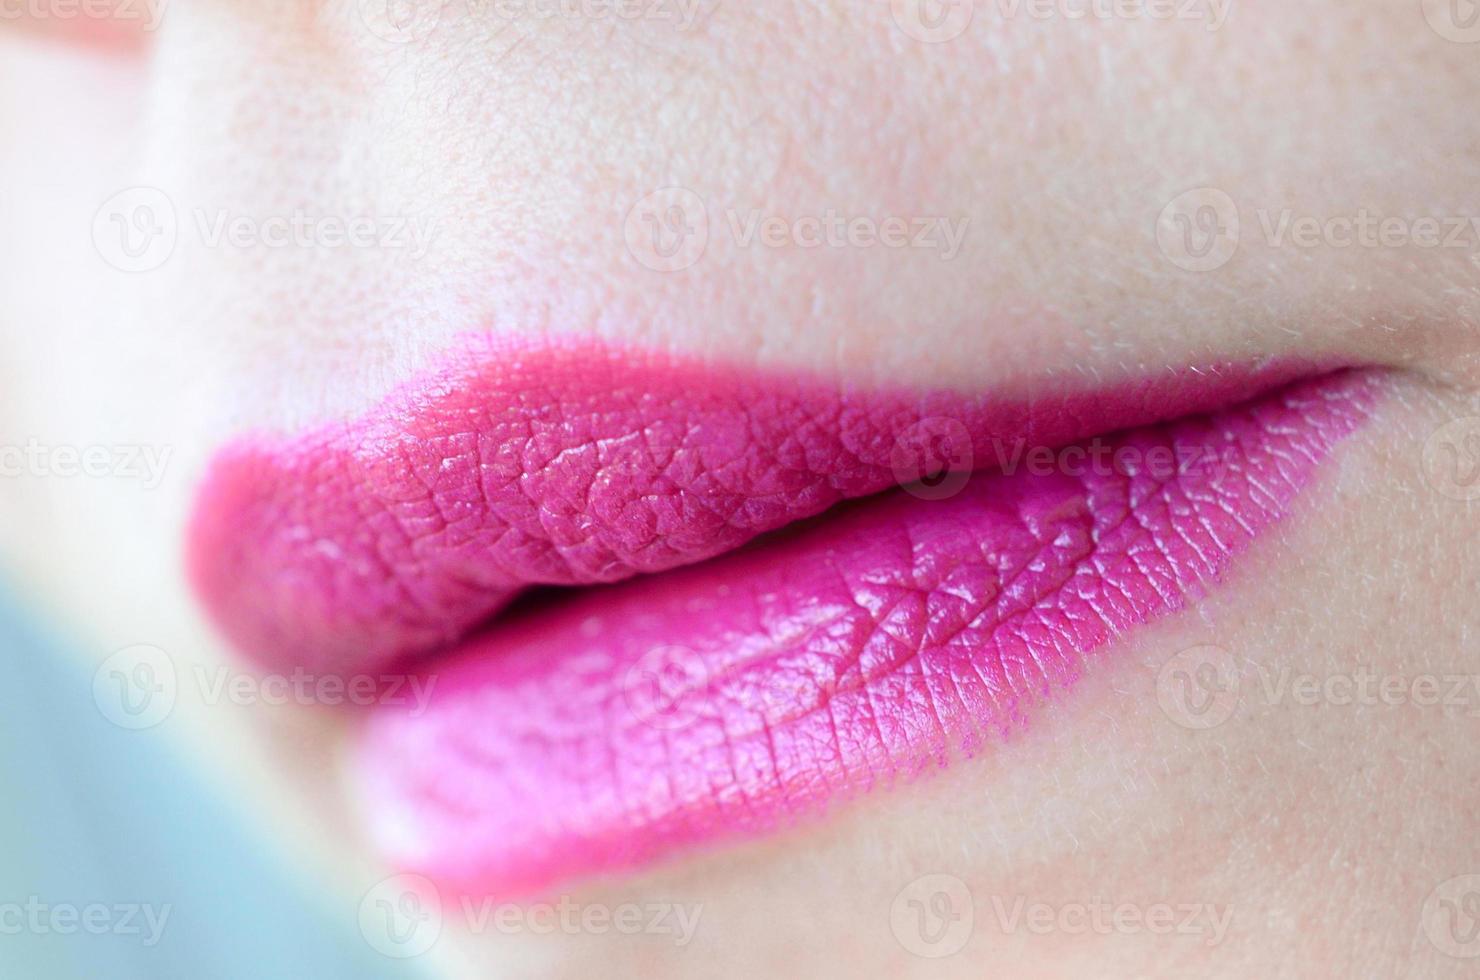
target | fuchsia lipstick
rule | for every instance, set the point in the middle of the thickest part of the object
(393, 535)
(716, 695)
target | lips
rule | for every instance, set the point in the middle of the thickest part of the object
(757, 664)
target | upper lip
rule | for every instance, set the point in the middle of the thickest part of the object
(354, 545)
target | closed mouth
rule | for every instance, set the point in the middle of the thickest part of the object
(790, 593)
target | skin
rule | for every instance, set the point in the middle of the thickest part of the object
(1057, 144)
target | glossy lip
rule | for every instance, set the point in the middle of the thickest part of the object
(357, 544)
(709, 700)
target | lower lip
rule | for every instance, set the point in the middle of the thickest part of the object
(622, 725)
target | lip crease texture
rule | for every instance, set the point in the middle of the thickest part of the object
(716, 696)
(358, 544)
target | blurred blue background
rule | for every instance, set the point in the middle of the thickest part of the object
(92, 813)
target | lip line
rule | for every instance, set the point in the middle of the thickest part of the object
(293, 577)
